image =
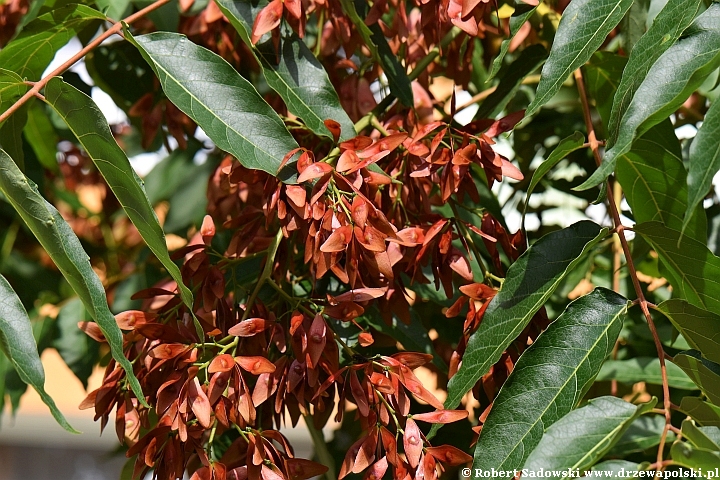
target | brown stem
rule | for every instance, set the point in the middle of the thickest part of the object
(620, 230)
(116, 28)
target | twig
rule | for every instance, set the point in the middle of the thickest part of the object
(267, 271)
(620, 230)
(116, 28)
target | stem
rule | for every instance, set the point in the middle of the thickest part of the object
(116, 28)
(321, 449)
(620, 230)
(267, 271)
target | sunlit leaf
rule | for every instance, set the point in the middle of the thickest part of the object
(550, 379)
(702, 412)
(64, 247)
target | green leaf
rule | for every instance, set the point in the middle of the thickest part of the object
(382, 53)
(299, 78)
(644, 369)
(696, 325)
(114, 9)
(526, 63)
(41, 136)
(583, 28)
(683, 454)
(702, 412)
(171, 173)
(701, 437)
(11, 135)
(563, 149)
(523, 12)
(225, 105)
(616, 468)
(63, 246)
(583, 436)
(32, 51)
(704, 162)
(667, 27)
(674, 76)
(78, 351)
(530, 282)
(18, 344)
(633, 26)
(550, 379)
(90, 127)
(645, 432)
(704, 373)
(602, 78)
(11, 88)
(652, 175)
(692, 268)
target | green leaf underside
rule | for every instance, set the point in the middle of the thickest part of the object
(225, 105)
(18, 344)
(666, 28)
(693, 271)
(32, 51)
(652, 175)
(90, 127)
(64, 247)
(704, 161)
(704, 373)
(684, 454)
(702, 412)
(563, 149)
(530, 282)
(522, 14)
(583, 436)
(299, 78)
(11, 88)
(675, 75)
(645, 432)
(550, 379)
(644, 369)
(699, 327)
(583, 28)
(701, 437)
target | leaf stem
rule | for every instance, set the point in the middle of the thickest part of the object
(116, 28)
(620, 230)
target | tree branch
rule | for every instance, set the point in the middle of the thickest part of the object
(116, 28)
(620, 230)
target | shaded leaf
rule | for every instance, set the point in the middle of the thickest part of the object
(685, 455)
(526, 63)
(617, 468)
(550, 379)
(31, 52)
(523, 12)
(692, 269)
(704, 373)
(563, 149)
(674, 76)
(696, 325)
(530, 282)
(88, 124)
(40, 135)
(704, 161)
(298, 77)
(583, 28)
(64, 247)
(702, 412)
(225, 105)
(78, 351)
(583, 436)
(666, 28)
(701, 437)
(18, 344)
(652, 175)
(645, 432)
(644, 369)
(114, 9)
